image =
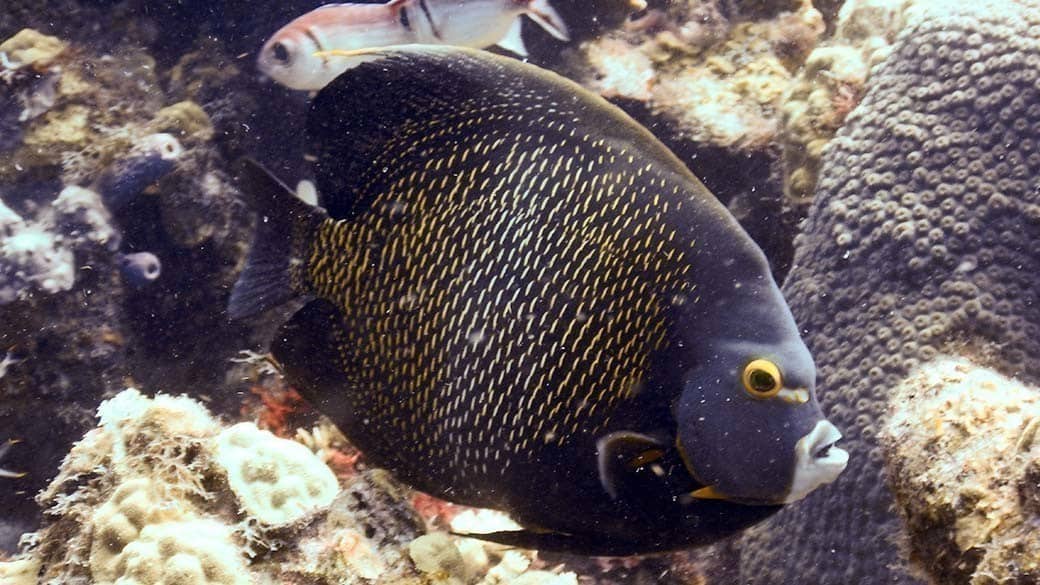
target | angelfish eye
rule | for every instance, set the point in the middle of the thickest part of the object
(762, 379)
(280, 52)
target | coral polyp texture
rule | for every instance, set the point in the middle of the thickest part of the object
(920, 240)
(965, 469)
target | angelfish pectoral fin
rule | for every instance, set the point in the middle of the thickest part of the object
(708, 493)
(618, 453)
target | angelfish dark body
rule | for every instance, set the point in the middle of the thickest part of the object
(524, 301)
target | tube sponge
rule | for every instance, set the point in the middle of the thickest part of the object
(151, 159)
(277, 481)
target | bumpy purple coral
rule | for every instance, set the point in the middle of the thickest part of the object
(922, 238)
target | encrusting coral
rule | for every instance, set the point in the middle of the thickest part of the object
(920, 240)
(964, 466)
(277, 481)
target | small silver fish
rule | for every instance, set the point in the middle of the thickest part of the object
(315, 48)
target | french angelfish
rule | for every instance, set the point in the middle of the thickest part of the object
(521, 300)
(313, 49)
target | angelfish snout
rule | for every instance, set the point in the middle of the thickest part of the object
(817, 460)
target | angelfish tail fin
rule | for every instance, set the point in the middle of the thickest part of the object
(546, 16)
(284, 227)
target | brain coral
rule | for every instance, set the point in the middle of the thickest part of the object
(921, 239)
(276, 480)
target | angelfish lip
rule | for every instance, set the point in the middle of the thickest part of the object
(817, 460)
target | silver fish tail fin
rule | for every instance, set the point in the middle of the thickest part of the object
(546, 16)
(273, 271)
(513, 41)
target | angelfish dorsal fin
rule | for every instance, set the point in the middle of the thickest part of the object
(364, 124)
(618, 453)
(266, 281)
(513, 41)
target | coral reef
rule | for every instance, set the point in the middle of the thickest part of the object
(160, 489)
(964, 465)
(717, 78)
(920, 240)
(77, 122)
(161, 492)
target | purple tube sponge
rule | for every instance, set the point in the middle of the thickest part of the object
(140, 268)
(150, 160)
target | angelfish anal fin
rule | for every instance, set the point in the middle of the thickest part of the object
(513, 42)
(308, 348)
(619, 452)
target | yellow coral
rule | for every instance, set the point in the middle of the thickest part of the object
(32, 48)
(186, 120)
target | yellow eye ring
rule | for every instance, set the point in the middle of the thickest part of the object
(762, 379)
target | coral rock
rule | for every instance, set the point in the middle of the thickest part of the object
(831, 84)
(716, 82)
(963, 456)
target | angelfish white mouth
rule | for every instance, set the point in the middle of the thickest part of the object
(817, 460)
